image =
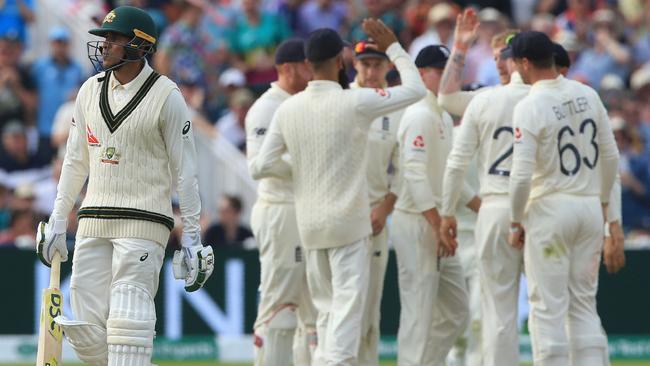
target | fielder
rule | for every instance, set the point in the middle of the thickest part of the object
(486, 132)
(563, 168)
(285, 308)
(382, 157)
(325, 131)
(614, 246)
(428, 284)
(130, 129)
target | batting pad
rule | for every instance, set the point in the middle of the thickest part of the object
(130, 326)
(87, 339)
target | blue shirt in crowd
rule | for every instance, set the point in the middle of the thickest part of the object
(54, 83)
(11, 22)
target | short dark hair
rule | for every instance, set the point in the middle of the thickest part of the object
(234, 202)
(546, 63)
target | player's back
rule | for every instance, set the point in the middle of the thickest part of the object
(569, 125)
(326, 137)
(491, 115)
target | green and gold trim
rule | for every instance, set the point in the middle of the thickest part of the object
(113, 122)
(123, 213)
(140, 34)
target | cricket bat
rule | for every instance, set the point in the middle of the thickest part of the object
(50, 334)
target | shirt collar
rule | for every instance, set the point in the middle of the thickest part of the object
(317, 85)
(278, 89)
(515, 78)
(135, 84)
(548, 83)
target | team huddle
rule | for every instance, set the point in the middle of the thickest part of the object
(527, 182)
(523, 184)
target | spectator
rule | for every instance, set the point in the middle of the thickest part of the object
(607, 56)
(17, 163)
(17, 91)
(56, 76)
(14, 17)
(194, 93)
(480, 55)
(231, 125)
(62, 122)
(379, 9)
(228, 232)
(442, 20)
(21, 232)
(253, 39)
(183, 47)
(316, 14)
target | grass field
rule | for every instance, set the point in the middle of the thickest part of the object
(385, 363)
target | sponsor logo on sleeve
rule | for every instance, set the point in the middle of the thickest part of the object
(186, 127)
(418, 143)
(73, 122)
(382, 92)
(518, 135)
(260, 131)
(90, 136)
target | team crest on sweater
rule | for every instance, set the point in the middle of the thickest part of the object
(110, 156)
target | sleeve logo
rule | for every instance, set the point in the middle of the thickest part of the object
(260, 131)
(186, 128)
(418, 142)
(518, 134)
(382, 92)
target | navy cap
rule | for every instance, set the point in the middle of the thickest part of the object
(361, 51)
(561, 56)
(323, 44)
(291, 50)
(535, 46)
(432, 56)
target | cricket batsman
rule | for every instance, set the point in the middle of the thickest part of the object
(285, 309)
(131, 129)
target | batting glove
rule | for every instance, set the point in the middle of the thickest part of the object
(193, 263)
(50, 238)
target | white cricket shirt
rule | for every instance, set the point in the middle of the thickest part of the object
(563, 144)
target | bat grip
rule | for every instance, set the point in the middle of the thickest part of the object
(55, 270)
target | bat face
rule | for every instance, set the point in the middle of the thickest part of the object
(49, 339)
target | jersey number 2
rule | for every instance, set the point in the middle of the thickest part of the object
(569, 147)
(494, 170)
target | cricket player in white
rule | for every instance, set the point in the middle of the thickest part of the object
(564, 166)
(382, 156)
(486, 131)
(283, 286)
(130, 130)
(325, 131)
(427, 283)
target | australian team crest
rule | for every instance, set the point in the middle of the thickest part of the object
(110, 156)
(109, 17)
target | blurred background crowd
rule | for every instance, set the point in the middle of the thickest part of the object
(220, 52)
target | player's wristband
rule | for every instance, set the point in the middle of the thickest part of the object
(607, 233)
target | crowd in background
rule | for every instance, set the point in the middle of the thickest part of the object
(220, 53)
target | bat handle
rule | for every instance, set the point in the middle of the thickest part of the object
(55, 270)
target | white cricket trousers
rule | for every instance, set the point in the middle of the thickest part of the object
(434, 300)
(338, 283)
(564, 239)
(500, 266)
(285, 304)
(467, 349)
(369, 348)
(113, 284)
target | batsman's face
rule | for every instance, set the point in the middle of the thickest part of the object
(371, 71)
(113, 49)
(502, 67)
